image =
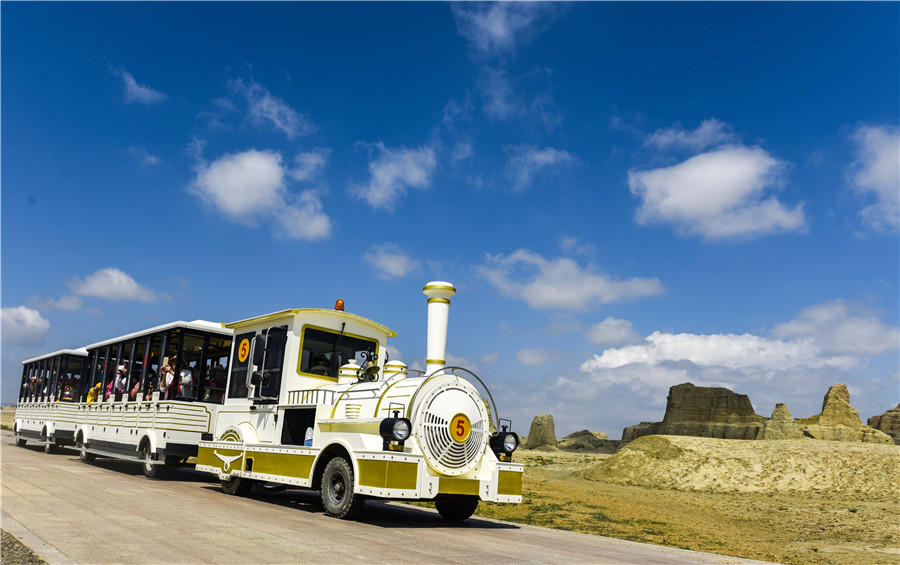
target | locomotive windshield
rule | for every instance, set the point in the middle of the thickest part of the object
(323, 352)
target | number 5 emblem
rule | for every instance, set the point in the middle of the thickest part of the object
(460, 428)
(244, 350)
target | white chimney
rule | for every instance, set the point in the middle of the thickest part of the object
(439, 294)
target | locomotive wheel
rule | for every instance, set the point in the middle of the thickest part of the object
(82, 454)
(456, 508)
(338, 497)
(151, 471)
(236, 486)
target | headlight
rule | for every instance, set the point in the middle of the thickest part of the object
(394, 429)
(504, 442)
(401, 429)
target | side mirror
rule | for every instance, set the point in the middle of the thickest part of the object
(259, 350)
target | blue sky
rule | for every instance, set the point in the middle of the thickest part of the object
(627, 196)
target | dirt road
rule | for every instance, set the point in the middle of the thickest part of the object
(107, 512)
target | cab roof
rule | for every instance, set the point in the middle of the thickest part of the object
(300, 311)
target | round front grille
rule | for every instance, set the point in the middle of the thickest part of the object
(441, 405)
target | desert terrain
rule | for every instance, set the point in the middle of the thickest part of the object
(768, 507)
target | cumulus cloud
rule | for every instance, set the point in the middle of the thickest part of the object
(389, 261)
(536, 356)
(303, 218)
(723, 350)
(251, 186)
(113, 284)
(613, 332)
(392, 172)
(242, 185)
(560, 283)
(719, 194)
(135, 92)
(23, 326)
(264, 107)
(709, 133)
(842, 328)
(496, 28)
(526, 162)
(876, 173)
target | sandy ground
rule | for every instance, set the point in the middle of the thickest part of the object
(787, 527)
(7, 417)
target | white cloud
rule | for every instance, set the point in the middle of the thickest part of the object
(876, 172)
(536, 356)
(250, 186)
(842, 328)
(113, 284)
(495, 28)
(719, 194)
(613, 332)
(722, 350)
(308, 165)
(526, 162)
(490, 358)
(244, 185)
(571, 245)
(390, 261)
(23, 326)
(66, 303)
(264, 107)
(392, 172)
(561, 282)
(304, 219)
(709, 133)
(135, 92)
(145, 158)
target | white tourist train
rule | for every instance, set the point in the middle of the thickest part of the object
(311, 400)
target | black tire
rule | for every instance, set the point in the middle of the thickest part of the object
(338, 497)
(456, 508)
(82, 454)
(20, 442)
(50, 446)
(237, 486)
(151, 471)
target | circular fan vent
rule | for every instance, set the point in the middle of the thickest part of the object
(440, 407)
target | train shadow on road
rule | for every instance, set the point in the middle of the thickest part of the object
(375, 513)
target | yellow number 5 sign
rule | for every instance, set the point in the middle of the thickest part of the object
(460, 428)
(244, 350)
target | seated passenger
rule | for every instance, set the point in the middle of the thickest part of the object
(94, 393)
(186, 382)
(166, 378)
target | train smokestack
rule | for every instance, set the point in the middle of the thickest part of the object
(439, 294)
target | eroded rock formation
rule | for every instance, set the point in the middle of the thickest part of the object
(889, 423)
(781, 425)
(703, 412)
(839, 421)
(721, 413)
(542, 432)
